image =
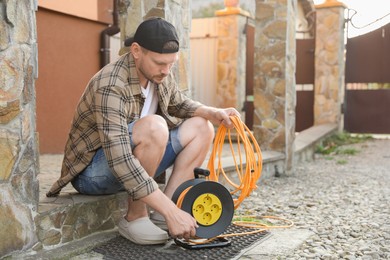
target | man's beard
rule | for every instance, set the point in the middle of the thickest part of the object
(156, 79)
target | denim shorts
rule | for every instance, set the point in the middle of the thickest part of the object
(97, 178)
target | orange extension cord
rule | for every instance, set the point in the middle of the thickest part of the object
(253, 165)
(247, 177)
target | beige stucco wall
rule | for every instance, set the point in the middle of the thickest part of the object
(95, 10)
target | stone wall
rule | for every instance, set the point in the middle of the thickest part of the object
(18, 140)
(231, 51)
(274, 82)
(20, 221)
(71, 217)
(329, 63)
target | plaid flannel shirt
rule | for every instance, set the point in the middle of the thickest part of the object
(111, 100)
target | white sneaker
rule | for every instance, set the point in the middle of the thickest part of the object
(158, 220)
(142, 231)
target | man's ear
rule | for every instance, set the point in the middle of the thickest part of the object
(136, 50)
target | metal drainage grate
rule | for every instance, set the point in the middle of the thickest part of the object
(121, 248)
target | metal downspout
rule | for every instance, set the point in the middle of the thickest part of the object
(105, 37)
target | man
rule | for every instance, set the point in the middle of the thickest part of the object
(131, 124)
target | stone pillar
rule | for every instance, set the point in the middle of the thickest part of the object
(274, 81)
(329, 63)
(19, 190)
(133, 12)
(231, 55)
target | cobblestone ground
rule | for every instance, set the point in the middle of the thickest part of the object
(343, 199)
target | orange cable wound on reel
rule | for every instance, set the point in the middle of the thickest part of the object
(248, 171)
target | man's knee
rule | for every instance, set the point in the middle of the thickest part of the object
(152, 128)
(207, 126)
(203, 127)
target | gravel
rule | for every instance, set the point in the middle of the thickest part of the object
(343, 199)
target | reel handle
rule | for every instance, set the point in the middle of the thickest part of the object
(200, 171)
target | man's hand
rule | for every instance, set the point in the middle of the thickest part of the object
(217, 116)
(181, 224)
(222, 115)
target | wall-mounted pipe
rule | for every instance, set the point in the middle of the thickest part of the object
(105, 37)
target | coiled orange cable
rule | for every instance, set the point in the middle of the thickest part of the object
(247, 177)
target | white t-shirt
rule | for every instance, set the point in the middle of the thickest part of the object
(151, 100)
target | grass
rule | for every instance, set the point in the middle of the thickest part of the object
(255, 219)
(342, 161)
(348, 151)
(332, 145)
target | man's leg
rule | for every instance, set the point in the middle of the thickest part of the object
(196, 135)
(150, 137)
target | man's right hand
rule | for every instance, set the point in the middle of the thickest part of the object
(181, 224)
